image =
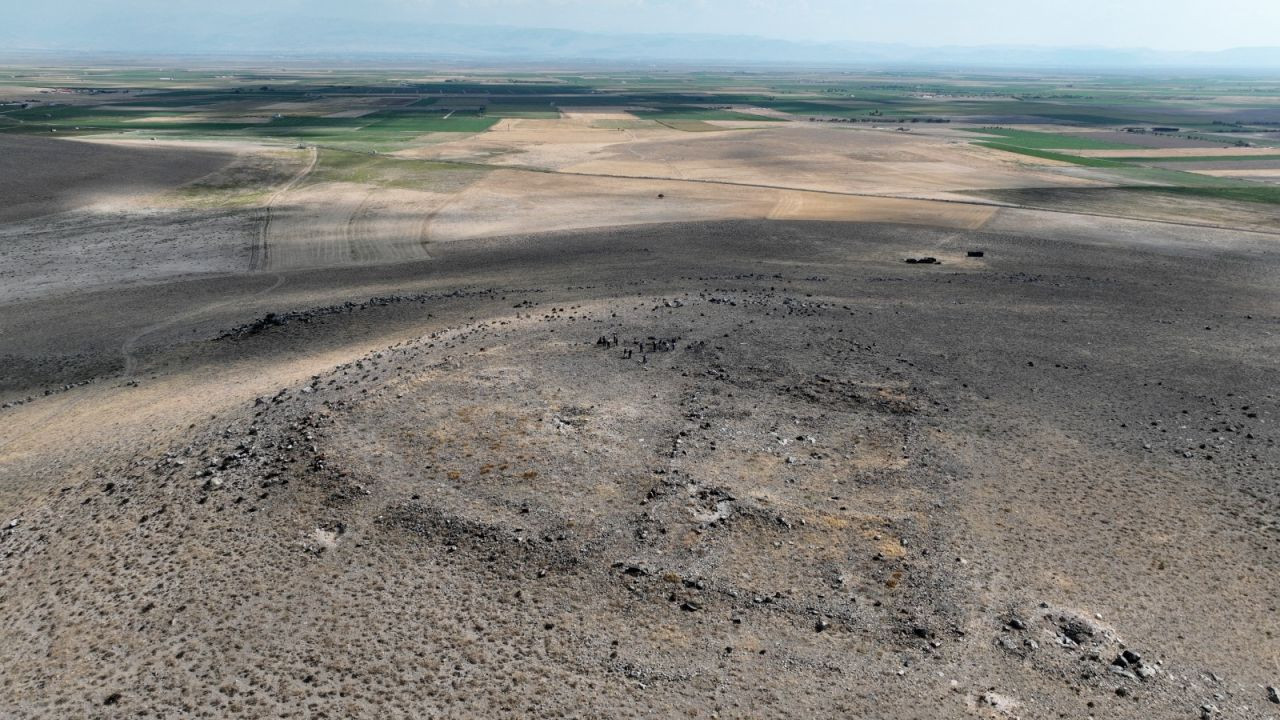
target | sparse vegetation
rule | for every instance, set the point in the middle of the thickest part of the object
(339, 165)
(1049, 141)
(346, 392)
(1268, 194)
(1060, 157)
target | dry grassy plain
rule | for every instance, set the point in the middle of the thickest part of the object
(305, 432)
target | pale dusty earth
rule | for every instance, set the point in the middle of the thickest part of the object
(564, 421)
(1197, 151)
(1265, 174)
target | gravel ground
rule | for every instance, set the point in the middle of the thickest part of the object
(743, 469)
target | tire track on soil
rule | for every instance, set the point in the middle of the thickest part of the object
(258, 257)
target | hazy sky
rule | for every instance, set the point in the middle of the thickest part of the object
(1161, 24)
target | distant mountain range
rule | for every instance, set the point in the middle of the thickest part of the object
(318, 37)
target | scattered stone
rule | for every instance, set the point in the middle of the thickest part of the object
(1000, 703)
(1273, 694)
(1117, 670)
(1076, 630)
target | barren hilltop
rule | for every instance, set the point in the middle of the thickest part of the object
(512, 394)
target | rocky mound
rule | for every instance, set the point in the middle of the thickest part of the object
(732, 501)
